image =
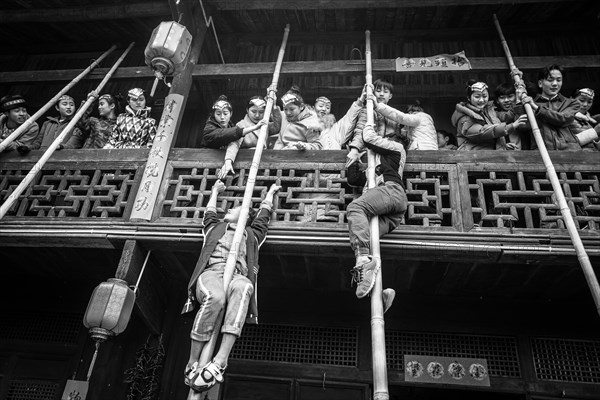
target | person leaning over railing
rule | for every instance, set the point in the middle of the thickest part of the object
(384, 92)
(300, 128)
(135, 128)
(97, 131)
(508, 111)
(14, 114)
(53, 127)
(446, 140)
(219, 130)
(554, 112)
(478, 126)
(419, 125)
(585, 126)
(255, 111)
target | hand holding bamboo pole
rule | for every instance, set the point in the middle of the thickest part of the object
(25, 125)
(582, 256)
(48, 153)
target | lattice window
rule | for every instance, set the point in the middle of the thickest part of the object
(526, 200)
(566, 360)
(94, 193)
(500, 351)
(298, 344)
(429, 200)
(32, 390)
(41, 327)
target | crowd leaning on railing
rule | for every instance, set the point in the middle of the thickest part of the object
(481, 122)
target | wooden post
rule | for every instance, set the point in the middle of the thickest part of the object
(149, 298)
(380, 382)
(582, 256)
(145, 205)
(25, 125)
(209, 347)
(40, 164)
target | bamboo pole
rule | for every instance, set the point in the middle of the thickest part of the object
(209, 347)
(582, 256)
(380, 382)
(25, 125)
(48, 153)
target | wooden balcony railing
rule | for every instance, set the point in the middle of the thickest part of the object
(449, 193)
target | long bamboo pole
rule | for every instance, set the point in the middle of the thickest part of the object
(582, 256)
(380, 382)
(25, 125)
(48, 153)
(209, 347)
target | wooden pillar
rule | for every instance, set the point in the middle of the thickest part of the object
(149, 300)
(144, 207)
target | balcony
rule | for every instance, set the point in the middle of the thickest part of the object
(489, 206)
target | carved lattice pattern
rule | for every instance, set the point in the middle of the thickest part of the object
(101, 193)
(317, 195)
(305, 195)
(526, 200)
(429, 197)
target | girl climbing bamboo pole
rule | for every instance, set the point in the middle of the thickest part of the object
(40, 164)
(208, 349)
(584, 260)
(52, 101)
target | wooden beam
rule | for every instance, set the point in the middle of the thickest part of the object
(236, 5)
(148, 298)
(320, 68)
(396, 36)
(87, 13)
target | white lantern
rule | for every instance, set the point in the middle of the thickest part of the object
(167, 49)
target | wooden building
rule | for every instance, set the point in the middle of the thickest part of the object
(483, 268)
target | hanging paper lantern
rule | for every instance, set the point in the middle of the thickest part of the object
(109, 309)
(167, 49)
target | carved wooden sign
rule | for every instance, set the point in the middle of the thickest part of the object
(446, 370)
(157, 159)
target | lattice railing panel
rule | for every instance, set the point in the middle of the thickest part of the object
(526, 199)
(566, 360)
(82, 193)
(307, 195)
(321, 194)
(499, 351)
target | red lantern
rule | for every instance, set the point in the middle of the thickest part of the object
(109, 309)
